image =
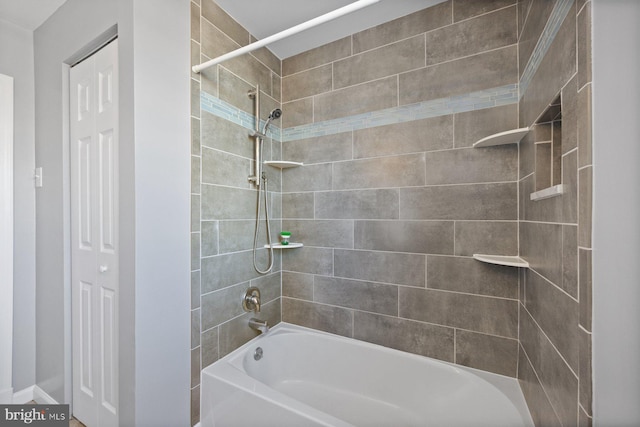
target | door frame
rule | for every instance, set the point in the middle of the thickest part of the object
(6, 242)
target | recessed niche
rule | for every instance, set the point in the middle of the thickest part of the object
(548, 152)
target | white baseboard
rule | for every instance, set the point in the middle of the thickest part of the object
(6, 396)
(40, 396)
(33, 393)
(23, 396)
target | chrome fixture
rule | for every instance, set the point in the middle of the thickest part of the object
(259, 325)
(259, 175)
(251, 299)
(257, 355)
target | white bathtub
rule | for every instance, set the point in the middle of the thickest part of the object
(311, 378)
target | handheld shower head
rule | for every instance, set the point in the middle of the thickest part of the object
(273, 115)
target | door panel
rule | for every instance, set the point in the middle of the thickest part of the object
(94, 233)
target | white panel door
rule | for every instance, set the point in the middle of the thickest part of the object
(94, 232)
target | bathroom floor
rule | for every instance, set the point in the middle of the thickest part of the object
(72, 423)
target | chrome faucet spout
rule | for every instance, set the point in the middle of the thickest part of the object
(259, 325)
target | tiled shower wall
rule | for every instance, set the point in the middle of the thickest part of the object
(393, 201)
(223, 201)
(555, 234)
(391, 215)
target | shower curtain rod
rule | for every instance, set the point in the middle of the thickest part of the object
(286, 33)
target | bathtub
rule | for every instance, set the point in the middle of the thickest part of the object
(303, 377)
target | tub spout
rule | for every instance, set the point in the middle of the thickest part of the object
(259, 325)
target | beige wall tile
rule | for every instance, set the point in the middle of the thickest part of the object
(402, 28)
(482, 71)
(384, 61)
(315, 57)
(372, 96)
(487, 352)
(464, 9)
(405, 335)
(486, 32)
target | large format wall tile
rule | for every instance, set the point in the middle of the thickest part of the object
(385, 61)
(402, 28)
(556, 68)
(381, 172)
(371, 96)
(536, 19)
(319, 56)
(307, 83)
(428, 237)
(403, 138)
(556, 313)
(487, 352)
(309, 260)
(463, 202)
(470, 276)
(558, 381)
(541, 246)
(406, 335)
(486, 237)
(326, 318)
(357, 204)
(329, 148)
(215, 203)
(472, 126)
(494, 316)
(471, 165)
(323, 233)
(540, 408)
(356, 294)
(388, 267)
(482, 71)
(465, 9)
(487, 32)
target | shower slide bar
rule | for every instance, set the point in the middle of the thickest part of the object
(286, 33)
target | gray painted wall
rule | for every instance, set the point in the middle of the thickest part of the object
(154, 173)
(616, 233)
(16, 60)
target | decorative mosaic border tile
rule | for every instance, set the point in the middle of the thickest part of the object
(559, 12)
(438, 107)
(224, 110)
(504, 95)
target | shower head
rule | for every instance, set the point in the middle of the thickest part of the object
(273, 115)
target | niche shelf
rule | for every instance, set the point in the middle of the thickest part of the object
(547, 193)
(502, 138)
(281, 246)
(283, 164)
(509, 261)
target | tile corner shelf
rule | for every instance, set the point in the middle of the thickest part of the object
(502, 138)
(547, 193)
(289, 246)
(283, 164)
(510, 261)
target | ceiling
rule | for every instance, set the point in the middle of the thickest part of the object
(29, 14)
(261, 18)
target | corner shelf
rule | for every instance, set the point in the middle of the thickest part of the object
(283, 164)
(547, 193)
(509, 261)
(281, 246)
(502, 138)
